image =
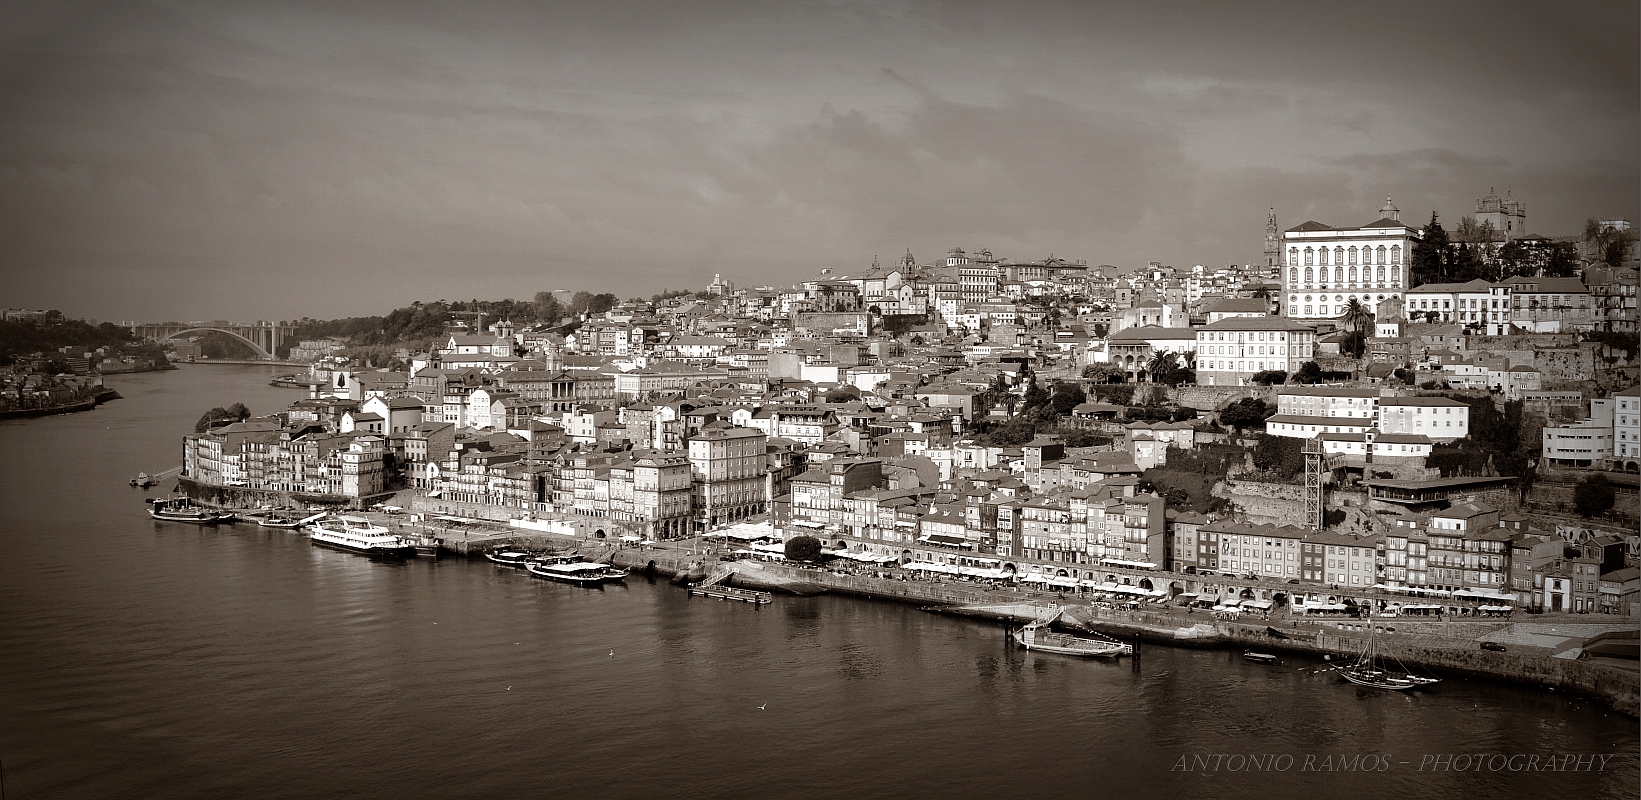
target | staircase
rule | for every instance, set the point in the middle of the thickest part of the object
(719, 573)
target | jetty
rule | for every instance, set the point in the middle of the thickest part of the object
(714, 586)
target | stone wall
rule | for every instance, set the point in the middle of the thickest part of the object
(857, 323)
(1260, 503)
(1213, 398)
(239, 497)
(1565, 364)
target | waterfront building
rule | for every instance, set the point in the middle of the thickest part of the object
(729, 471)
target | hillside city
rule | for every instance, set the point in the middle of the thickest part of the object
(1449, 421)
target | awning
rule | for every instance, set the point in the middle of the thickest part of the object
(1034, 577)
(1261, 604)
(1235, 601)
(943, 539)
(1069, 583)
(1479, 595)
(631, 538)
(1498, 608)
(1118, 562)
(1326, 607)
(435, 493)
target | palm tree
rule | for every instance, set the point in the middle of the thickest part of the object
(1356, 314)
(1161, 366)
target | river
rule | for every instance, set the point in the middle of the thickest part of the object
(157, 660)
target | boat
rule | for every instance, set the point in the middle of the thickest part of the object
(279, 519)
(578, 572)
(1259, 658)
(1374, 671)
(144, 480)
(509, 557)
(181, 509)
(1038, 636)
(358, 535)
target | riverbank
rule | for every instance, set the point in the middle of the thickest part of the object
(98, 398)
(1425, 645)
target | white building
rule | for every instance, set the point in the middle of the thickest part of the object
(1627, 430)
(1231, 351)
(1303, 412)
(1326, 267)
(1477, 305)
(1439, 418)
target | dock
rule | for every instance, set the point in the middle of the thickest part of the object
(731, 593)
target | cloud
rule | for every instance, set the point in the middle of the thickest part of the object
(263, 160)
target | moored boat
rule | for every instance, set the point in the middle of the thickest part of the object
(1374, 670)
(143, 480)
(578, 572)
(509, 557)
(1259, 658)
(181, 509)
(358, 535)
(1038, 636)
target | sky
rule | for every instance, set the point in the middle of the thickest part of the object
(275, 160)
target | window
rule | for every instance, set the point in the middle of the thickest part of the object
(1308, 271)
(1339, 274)
(1310, 258)
(1353, 255)
(1352, 274)
(1293, 275)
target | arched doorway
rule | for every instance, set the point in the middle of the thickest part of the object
(598, 534)
(1246, 594)
(1145, 583)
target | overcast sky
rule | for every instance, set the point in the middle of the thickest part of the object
(275, 160)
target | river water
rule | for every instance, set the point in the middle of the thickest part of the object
(156, 660)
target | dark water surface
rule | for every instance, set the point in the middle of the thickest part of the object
(156, 660)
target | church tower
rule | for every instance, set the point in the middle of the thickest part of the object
(1273, 247)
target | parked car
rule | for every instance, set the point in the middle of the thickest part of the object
(1494, 646)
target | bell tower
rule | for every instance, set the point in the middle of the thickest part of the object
(1273, 246)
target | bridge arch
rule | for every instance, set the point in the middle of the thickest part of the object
(253, 345)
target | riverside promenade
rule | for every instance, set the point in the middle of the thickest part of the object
(1543, 652)
(1452, 648)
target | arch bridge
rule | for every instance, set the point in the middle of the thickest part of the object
(262, 337)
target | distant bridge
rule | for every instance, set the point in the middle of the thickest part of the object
(262, 337)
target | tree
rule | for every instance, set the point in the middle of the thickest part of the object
(1593, 496)
(1103, 373)
(1270, 377)
(1035, 396)
(843, 394)
(1431, 256)
(1357, 315)
(1309, 372)
(1354, 344)
(1067, 396)
(1607, 243)
(803, 548)
(234, 413)
(1162, 367)
(1283, 455)
(1246, 413)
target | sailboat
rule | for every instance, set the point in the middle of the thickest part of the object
(1038, 636)
(1374, 671)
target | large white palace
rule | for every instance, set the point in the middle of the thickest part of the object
(1326, 267)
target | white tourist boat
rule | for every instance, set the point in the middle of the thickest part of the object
(576, 571)
(358, 535)
(1038, 636)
